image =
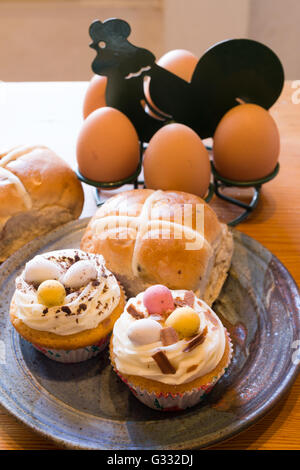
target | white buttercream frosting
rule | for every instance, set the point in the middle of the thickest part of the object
(83, 309)
(131, 359)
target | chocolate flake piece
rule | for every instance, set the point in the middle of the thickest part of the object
(168, 336)
(196, 341)
(45, 311)
(189, 298)
(134, 312)
(211, 318)
(163, 363)
(95, 283)
(178, 302)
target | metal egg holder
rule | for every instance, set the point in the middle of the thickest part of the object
(231, 71)
(221, 182)
(218, 183)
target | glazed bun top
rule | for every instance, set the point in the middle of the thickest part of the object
(161, 237)
(38, 192)
(33, 177)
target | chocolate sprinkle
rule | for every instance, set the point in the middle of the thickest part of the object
(66, 310)
(134, 312)
(163, 363)
(168, 336)
(196, 341)
(81, 307)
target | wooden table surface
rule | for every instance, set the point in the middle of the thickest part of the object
(50, 114)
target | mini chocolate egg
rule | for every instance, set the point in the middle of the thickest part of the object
(79, 274)
(95, 95)
(144, 331)
(176, 159)
(158, 299)
(184, 320)
(40, 269)
(108, 147)
(246, 143)
(51, 293)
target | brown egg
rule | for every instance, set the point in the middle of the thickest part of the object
(95, 95)
(176, 159)
(180, 62)
(246, 143)
(107, 146)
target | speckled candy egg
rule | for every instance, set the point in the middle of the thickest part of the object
(79, 274)
(144, 331)
(40, 269)
(51, 293)
(184, 320)
(158, 299)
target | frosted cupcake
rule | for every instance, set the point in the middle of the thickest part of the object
(66, 303)
(169, 347)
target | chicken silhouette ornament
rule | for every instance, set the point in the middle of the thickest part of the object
(230, 71)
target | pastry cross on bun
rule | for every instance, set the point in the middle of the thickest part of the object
(38, 192)
(161, 237)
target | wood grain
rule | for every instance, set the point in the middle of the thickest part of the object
(275, 224)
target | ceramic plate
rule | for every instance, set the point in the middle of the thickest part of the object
(86, 405)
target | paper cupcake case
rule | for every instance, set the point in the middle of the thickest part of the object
(74, 355)
(178, 401)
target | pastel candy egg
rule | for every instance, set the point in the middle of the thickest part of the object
(184, 320)
(158, 299)
(79, 274)
(51, 293)
(144, 331)
(40, 269)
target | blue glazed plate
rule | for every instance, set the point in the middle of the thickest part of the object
(86, 406)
